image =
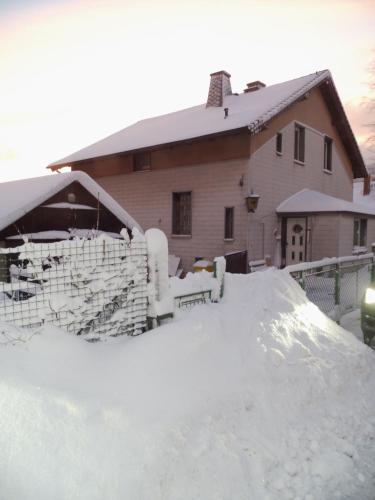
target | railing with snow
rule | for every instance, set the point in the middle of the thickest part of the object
(335, 285)
(166, 295)
(92, 287)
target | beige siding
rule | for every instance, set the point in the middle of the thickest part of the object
(324, 239)
(370, 233)
(275, 178)
(345, 234)
(148, 198)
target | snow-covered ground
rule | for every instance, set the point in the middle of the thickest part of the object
(352, 323)
(258, 397)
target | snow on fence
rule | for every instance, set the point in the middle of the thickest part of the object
(335, 285)
(92, 287)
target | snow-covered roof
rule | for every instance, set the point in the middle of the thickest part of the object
(249, 110)
(17, 198)
(309, 201)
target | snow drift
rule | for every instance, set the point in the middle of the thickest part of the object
(260, 396)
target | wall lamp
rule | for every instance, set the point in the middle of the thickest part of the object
(252, 200)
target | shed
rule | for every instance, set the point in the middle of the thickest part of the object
(57, 207)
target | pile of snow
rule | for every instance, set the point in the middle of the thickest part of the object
(260, 396)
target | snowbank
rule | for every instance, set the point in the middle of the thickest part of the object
(260, 396)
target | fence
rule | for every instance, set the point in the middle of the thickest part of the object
(335, 285)
(87, 287)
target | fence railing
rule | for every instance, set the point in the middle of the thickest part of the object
(92, 287)
(335, 285)
(98, 287)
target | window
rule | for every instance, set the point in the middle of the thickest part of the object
(141, 162)
(279, 143)
(299, 143)
(181, 213)
(360, 233)
(229, 223)
(328, 154)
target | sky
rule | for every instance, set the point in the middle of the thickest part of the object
(75, 71)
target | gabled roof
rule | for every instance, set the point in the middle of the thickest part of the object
(17, 198)
(250, 111)
(309, 201)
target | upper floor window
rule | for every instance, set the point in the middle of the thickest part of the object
(360, 233)
(229, 223)
(299, 143)
(328, 154)
(141, 161)
(279, 143)
(181, 213)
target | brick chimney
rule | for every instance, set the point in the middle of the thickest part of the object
(252, 86)
(219, 88)
(366, 185)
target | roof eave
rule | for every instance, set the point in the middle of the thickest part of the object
(56, 166)
(341, 122)
(324, 212)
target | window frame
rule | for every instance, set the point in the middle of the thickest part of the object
(327, 161)
(279, 143)
(179, 212)
(228, 223)
(360, 232)
(299, 143)
(142, 161)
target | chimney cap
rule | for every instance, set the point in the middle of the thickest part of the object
(221, 72)
(256, 85)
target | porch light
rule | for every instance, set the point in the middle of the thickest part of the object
(252, 200)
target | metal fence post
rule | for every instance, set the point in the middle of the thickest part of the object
(222, 280)
(302, 281)
(337, 292)
(357, 286)
(373, 270)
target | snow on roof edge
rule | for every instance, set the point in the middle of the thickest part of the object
(94, 188)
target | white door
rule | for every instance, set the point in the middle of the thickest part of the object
(295, 240)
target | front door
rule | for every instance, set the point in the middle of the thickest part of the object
(295, 240)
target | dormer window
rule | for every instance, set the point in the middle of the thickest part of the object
(141, 162)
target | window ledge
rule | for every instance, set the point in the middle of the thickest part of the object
(327, 171)
(141, 171)
(182, 236)
(228, 240)
(278, 153)
(298, 162)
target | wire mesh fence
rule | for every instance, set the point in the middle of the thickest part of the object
(92, 287)
(336, 286)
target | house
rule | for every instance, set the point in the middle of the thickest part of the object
(198, 174)
(57, 207)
